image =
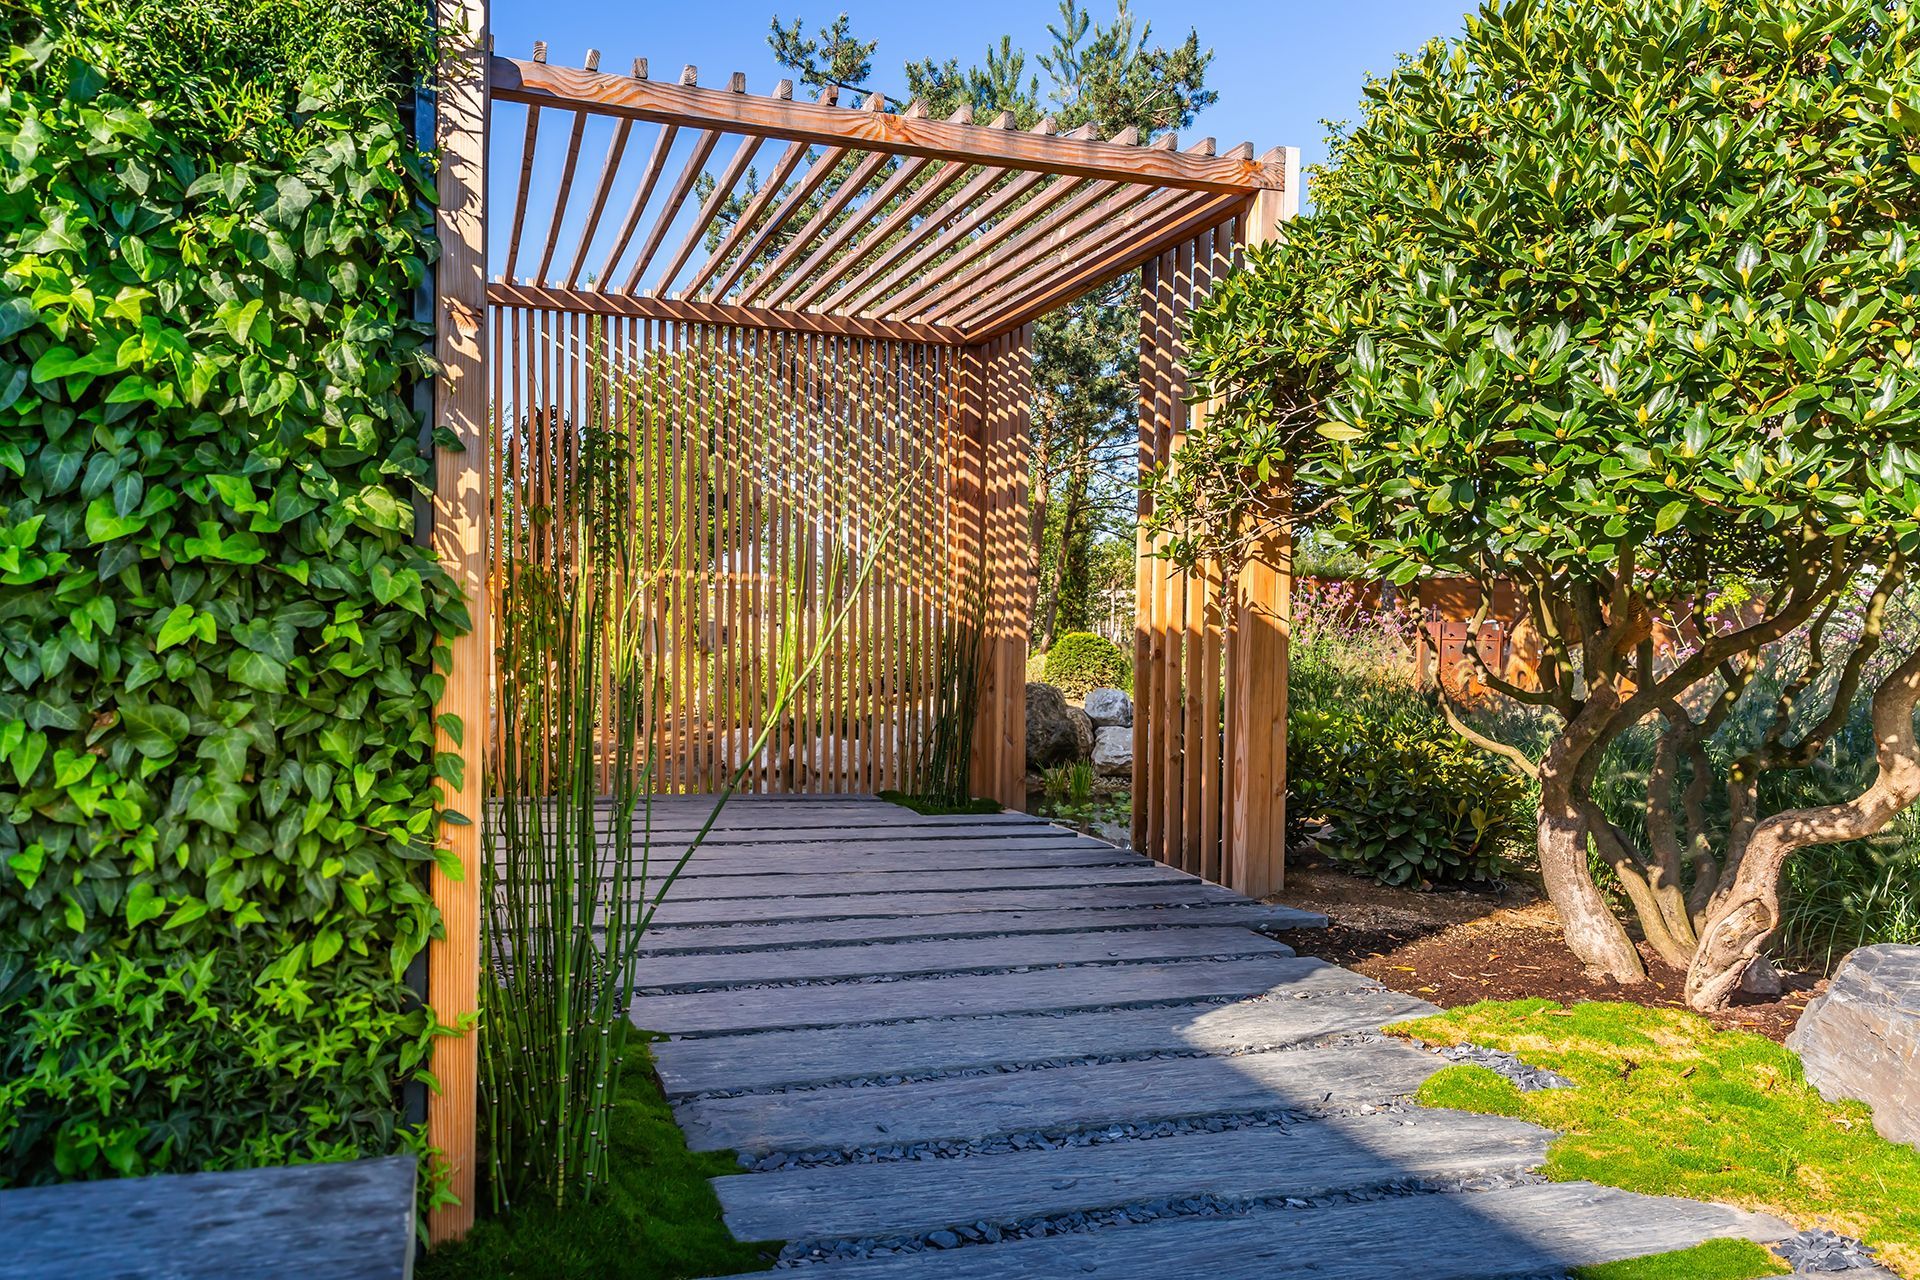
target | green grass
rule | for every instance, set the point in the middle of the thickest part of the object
(657, 1220)
(927, 806)
(1666, 1105)
(1714, 1260)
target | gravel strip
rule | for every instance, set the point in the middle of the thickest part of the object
(1821, 1250)
(1525, 1078)
(1191, 1206)
(1053, 1139)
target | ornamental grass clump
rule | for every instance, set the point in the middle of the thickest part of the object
(1617, 302)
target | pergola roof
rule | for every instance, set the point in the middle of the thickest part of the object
(864, 222)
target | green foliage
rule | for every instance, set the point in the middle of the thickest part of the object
(657, 1218)
(1714, 1260)
(1081, 662)
(1666, 1105)
(1068, 783)
(928, 805)
(1403, 807)
(218, 637)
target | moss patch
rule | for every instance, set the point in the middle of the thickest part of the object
(1714, 1260)
(656, 1220)
(1666, 1105)
(927, 806)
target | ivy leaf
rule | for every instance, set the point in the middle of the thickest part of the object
(16, 314)
(104, 524)
(143, 904)
(155, 729)
(237, 318)
(217, 803)
(257, 671)
(26, 757)
(325, 946)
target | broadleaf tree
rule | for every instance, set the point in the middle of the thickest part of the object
(1618, 302)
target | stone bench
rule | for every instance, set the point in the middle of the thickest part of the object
(347, 1221)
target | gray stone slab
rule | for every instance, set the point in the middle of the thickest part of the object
(1514, 1232)
(1313, 1158)
(1084, 1097)
(669, 973)
(773, 1059)
(850, 905)
(956, 855)
(1861, 1037)
(350, 1221)
(668, 939)
(921, 880)
(1085, 987)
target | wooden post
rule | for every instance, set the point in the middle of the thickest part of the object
(1256, 827)
(460, 540)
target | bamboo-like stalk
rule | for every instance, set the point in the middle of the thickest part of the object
(584, 663)
(947, 747)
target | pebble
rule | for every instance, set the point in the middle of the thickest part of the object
(1525, 1078)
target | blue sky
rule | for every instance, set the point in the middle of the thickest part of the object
(1280, 67)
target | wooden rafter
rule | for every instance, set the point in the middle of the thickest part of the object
(689, 311)
(538, 84)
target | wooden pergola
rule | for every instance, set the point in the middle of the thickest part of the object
(856, 322)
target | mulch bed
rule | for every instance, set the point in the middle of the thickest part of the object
(1456, 948)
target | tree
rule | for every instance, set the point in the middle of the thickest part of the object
(1113, 76)
(1616, 301)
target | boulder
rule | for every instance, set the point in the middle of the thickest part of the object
(1109, 707)
(1861, 1039)
(1113, 751)
(1056, 732)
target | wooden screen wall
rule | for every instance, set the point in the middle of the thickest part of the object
(766, 466)
(1209, 684)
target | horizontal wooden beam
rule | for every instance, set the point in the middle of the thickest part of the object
(538, 84)
(1070, 280)
(687, 311)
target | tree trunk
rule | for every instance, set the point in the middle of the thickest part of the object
(1592, 932)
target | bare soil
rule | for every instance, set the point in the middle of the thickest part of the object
(1457, 947)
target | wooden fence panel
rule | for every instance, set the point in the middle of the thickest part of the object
(765, 467)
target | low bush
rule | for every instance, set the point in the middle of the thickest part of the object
(1403, 807)
(1081, 662)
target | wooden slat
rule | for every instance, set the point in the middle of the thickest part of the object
(901, 180)
(602, 188)
(461, 489)
(890, 236)
(691, 311)
(518, 81)
(743, 910)
(807, 235)
(1085, 1097)
(567, 167)
(716, 199)
(792, 201)
(928, 270)
(689, 173)
(642, 193)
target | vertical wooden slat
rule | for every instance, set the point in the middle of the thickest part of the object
(460, 542)
(1256, 825)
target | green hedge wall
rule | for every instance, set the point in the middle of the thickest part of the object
(218, 637)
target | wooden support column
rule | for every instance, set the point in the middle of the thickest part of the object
(1256, 822)
(460, 540)
(1000, 374)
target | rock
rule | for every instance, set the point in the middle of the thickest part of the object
(1761, 978)
(1056, 733)
(1109, 707)
(1113, 752)
(1861, 1039)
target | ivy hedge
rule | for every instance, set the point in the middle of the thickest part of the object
(219, 633)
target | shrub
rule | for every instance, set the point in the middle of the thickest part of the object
(1081, 662)
(219, 636)
(1404, 808)
(1614, 301)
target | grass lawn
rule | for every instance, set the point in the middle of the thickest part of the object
(1666, 1105)
(657, 1220)
(927, 806)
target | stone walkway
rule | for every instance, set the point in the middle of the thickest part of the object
(960, 1047)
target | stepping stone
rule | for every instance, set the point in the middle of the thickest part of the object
(923, 879)
(1187, 892)
(705, 971)
(959, 855)
(1089, 987)
(1514, 1232)
(772, 1059)
(1312, 1158)
(970, 1108)
(665, 939)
